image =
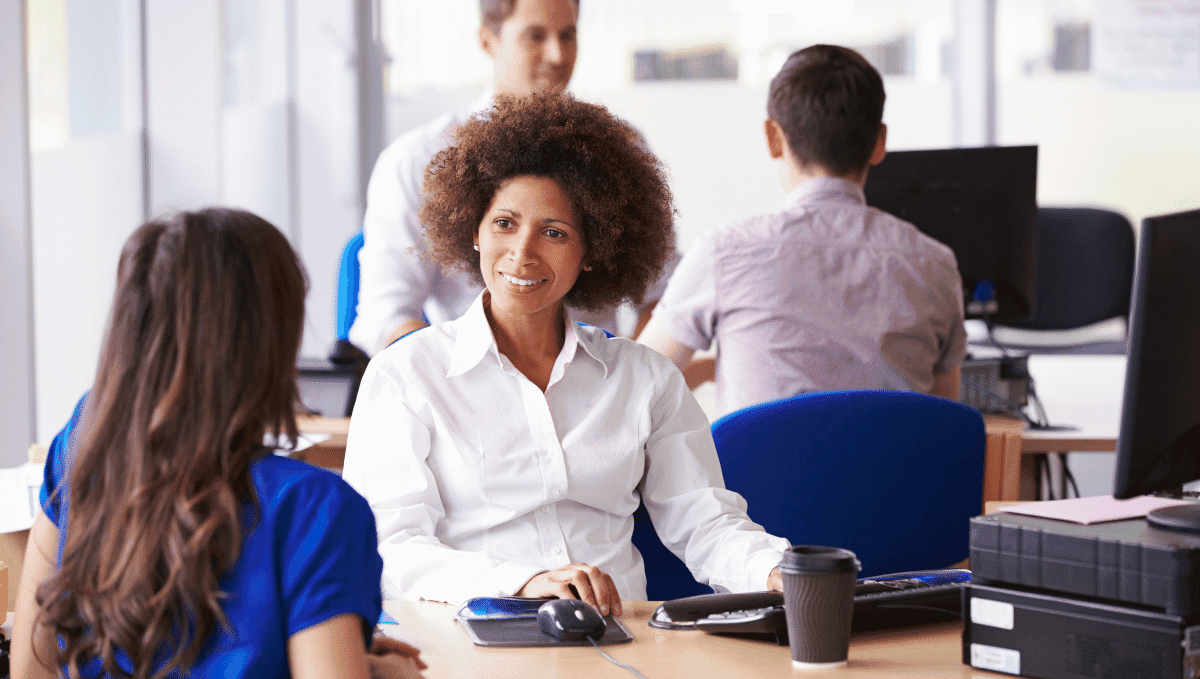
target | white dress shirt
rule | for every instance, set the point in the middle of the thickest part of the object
(479, 480)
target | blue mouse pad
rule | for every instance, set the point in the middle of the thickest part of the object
(525, 632)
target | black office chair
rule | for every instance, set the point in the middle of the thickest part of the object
(1085, 259)
(1085, 262)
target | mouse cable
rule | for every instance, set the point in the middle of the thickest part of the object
(616, 662)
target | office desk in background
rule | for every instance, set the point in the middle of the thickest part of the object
(927, 651)
(1004, 478)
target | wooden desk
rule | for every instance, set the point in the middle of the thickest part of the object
(330, 453)
(1012, 449)
(928, 651)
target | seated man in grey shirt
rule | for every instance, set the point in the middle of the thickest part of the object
(826, 293)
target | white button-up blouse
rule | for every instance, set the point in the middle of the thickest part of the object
(479, 480)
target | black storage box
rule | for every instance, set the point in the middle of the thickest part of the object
(1035, 634)
(1128, 562)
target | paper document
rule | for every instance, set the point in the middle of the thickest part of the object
(1097, 509)
(302, 441)
(19, 489)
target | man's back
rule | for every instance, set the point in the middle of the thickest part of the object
(825, 294)
(397, 283)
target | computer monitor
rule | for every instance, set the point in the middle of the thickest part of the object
(982, 203)
(1158, 447)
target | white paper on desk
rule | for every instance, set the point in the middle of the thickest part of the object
(1096, 509)
(19, 489)
(302, 441)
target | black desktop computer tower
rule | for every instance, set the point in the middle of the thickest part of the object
(1058, 600)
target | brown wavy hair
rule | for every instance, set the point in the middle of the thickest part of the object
(197, 365)
(615, 184)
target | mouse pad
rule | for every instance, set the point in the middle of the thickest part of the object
(525, 632)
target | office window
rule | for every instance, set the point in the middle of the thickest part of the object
(83, 60)
(1072, 47)
(715, 62)
(692, 75)
(1111, 136)
(256, 124)
(83, 66)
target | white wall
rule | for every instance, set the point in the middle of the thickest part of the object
(87, 199)
(329, 202)
(88, 196)
(1134, 150)
(710, 136)
(289, 153)
(183, 108)
(16, 306)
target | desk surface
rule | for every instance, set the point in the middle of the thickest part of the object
(1084, 391)
(929, 651)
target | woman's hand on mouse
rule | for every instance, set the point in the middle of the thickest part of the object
(576, 581)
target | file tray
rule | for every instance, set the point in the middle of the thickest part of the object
(1128, 561)
(525, 632)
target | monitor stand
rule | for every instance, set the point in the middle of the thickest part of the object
(1179, 518)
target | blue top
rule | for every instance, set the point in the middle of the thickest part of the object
(309, 556)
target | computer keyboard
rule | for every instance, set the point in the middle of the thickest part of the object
(895, 600)
(768, 620)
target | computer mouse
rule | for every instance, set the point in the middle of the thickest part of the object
(570, 620)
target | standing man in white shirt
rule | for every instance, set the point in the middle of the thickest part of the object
(532, 45)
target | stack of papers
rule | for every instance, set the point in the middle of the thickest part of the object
(1098, 509)
(19, 489)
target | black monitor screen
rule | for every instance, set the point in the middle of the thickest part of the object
(982, 202)
(1158, 448)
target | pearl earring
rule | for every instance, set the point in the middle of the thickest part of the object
(476, 248)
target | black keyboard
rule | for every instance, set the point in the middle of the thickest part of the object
(882, 602)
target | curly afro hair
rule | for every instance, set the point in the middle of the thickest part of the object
(617, 187)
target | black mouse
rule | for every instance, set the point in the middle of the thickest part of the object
(570, 620)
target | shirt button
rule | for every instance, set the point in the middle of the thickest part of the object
(546, 509)
(555, 550)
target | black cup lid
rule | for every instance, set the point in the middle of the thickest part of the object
(819, 559)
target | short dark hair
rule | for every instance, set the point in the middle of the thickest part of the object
(829, 102)
(617, 187)
(492, 13)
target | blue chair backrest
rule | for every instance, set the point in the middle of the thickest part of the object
(347, 287)
(666, 576)
(893, 476)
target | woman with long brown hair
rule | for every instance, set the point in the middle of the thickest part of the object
(173, 542)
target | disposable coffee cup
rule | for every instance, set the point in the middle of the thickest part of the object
(818, 596)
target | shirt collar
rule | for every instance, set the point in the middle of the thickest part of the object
(589, 341)
(820, 189)
(474, 340)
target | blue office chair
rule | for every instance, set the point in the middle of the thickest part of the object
(329, 386)
(347, 286)
(666, 576)
(893, 476)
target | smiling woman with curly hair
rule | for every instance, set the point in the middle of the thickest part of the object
(505, 452)
(600, 163)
